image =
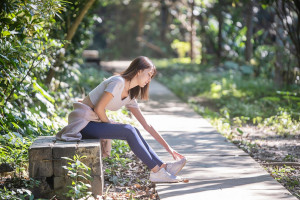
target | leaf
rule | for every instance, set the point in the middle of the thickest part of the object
(82, 177)
(43, 100)
(231, 65)
(4, 57)
(6, 20)
(66, 158)
(246, 69)
(15, 125)
(273, 99)
(240, 131)
(1, 60)
(37, 87)
(5, 33)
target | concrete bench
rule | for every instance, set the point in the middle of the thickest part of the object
(45, 165)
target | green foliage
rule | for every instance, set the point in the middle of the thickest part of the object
(243, 69)
(182, 48)
(282, 123)
(285, 174)
(18, 189)
(19, 129)
(79, 173)
(81, 39)
(239, 98)
(231, 65)
(19, 194)
(117, 36)
(25, 54)
(25, 47)
(31, 35)
(264, 59)
(15, 151)
(117, 160)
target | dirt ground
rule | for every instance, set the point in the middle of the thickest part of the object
(279, 155)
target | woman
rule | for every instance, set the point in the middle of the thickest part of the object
(112, 94)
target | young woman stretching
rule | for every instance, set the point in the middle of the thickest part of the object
(112, 94)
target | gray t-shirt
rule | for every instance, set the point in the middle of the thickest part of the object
(115, 86)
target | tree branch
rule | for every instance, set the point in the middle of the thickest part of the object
(79, 18)
(31, 67)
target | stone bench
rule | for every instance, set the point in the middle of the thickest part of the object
(45, 165)
(92, 56)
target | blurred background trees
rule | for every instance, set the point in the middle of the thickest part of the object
(264, 35)
(42, 69)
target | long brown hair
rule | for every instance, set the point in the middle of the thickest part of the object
(139, 63)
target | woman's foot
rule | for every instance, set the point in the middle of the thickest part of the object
(175, 167)
(162, 176)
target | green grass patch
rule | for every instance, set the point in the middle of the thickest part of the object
(233, 95)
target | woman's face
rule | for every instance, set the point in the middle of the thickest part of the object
(144, 76)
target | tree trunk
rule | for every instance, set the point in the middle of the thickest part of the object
(278, 77)
(70, 34)
(151, 46)
(203, 43)
(164, 18)
(289, 11)
(141, 23)
(208, 46)
(78, 20)
(192, 32)
(220, 39)
(249, 24)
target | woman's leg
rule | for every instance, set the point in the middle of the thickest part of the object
(150, 150)
(98, 130)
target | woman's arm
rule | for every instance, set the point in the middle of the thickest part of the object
(140, 117)
(100, 106)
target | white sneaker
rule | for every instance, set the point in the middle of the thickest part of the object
(175, 167)
(162, 176)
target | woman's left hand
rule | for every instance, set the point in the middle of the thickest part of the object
(175, 154)
(113, 122)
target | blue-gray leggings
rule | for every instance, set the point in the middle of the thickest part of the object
(99, 130)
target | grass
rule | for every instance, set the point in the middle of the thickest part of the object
(232, 93)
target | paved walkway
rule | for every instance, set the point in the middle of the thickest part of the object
(217, 169)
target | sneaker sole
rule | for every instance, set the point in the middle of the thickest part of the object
(164, 182)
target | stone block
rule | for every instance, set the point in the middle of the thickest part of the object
(40, 155)
(45, 163)
(97, 185)
(59, 151)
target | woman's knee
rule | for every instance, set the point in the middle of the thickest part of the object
(130, 130)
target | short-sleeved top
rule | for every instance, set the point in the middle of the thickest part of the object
(115, 86)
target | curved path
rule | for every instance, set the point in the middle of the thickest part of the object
(217, 169)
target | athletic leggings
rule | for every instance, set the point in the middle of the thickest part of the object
(99, 130)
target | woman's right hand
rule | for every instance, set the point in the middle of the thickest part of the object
(175, 154)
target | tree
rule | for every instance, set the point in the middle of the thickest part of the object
(25, 47)
(164, 19)
(287, 39)
(249, 25)
(183, 11)
(69, 36)
(289, 14)
(192, 30)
